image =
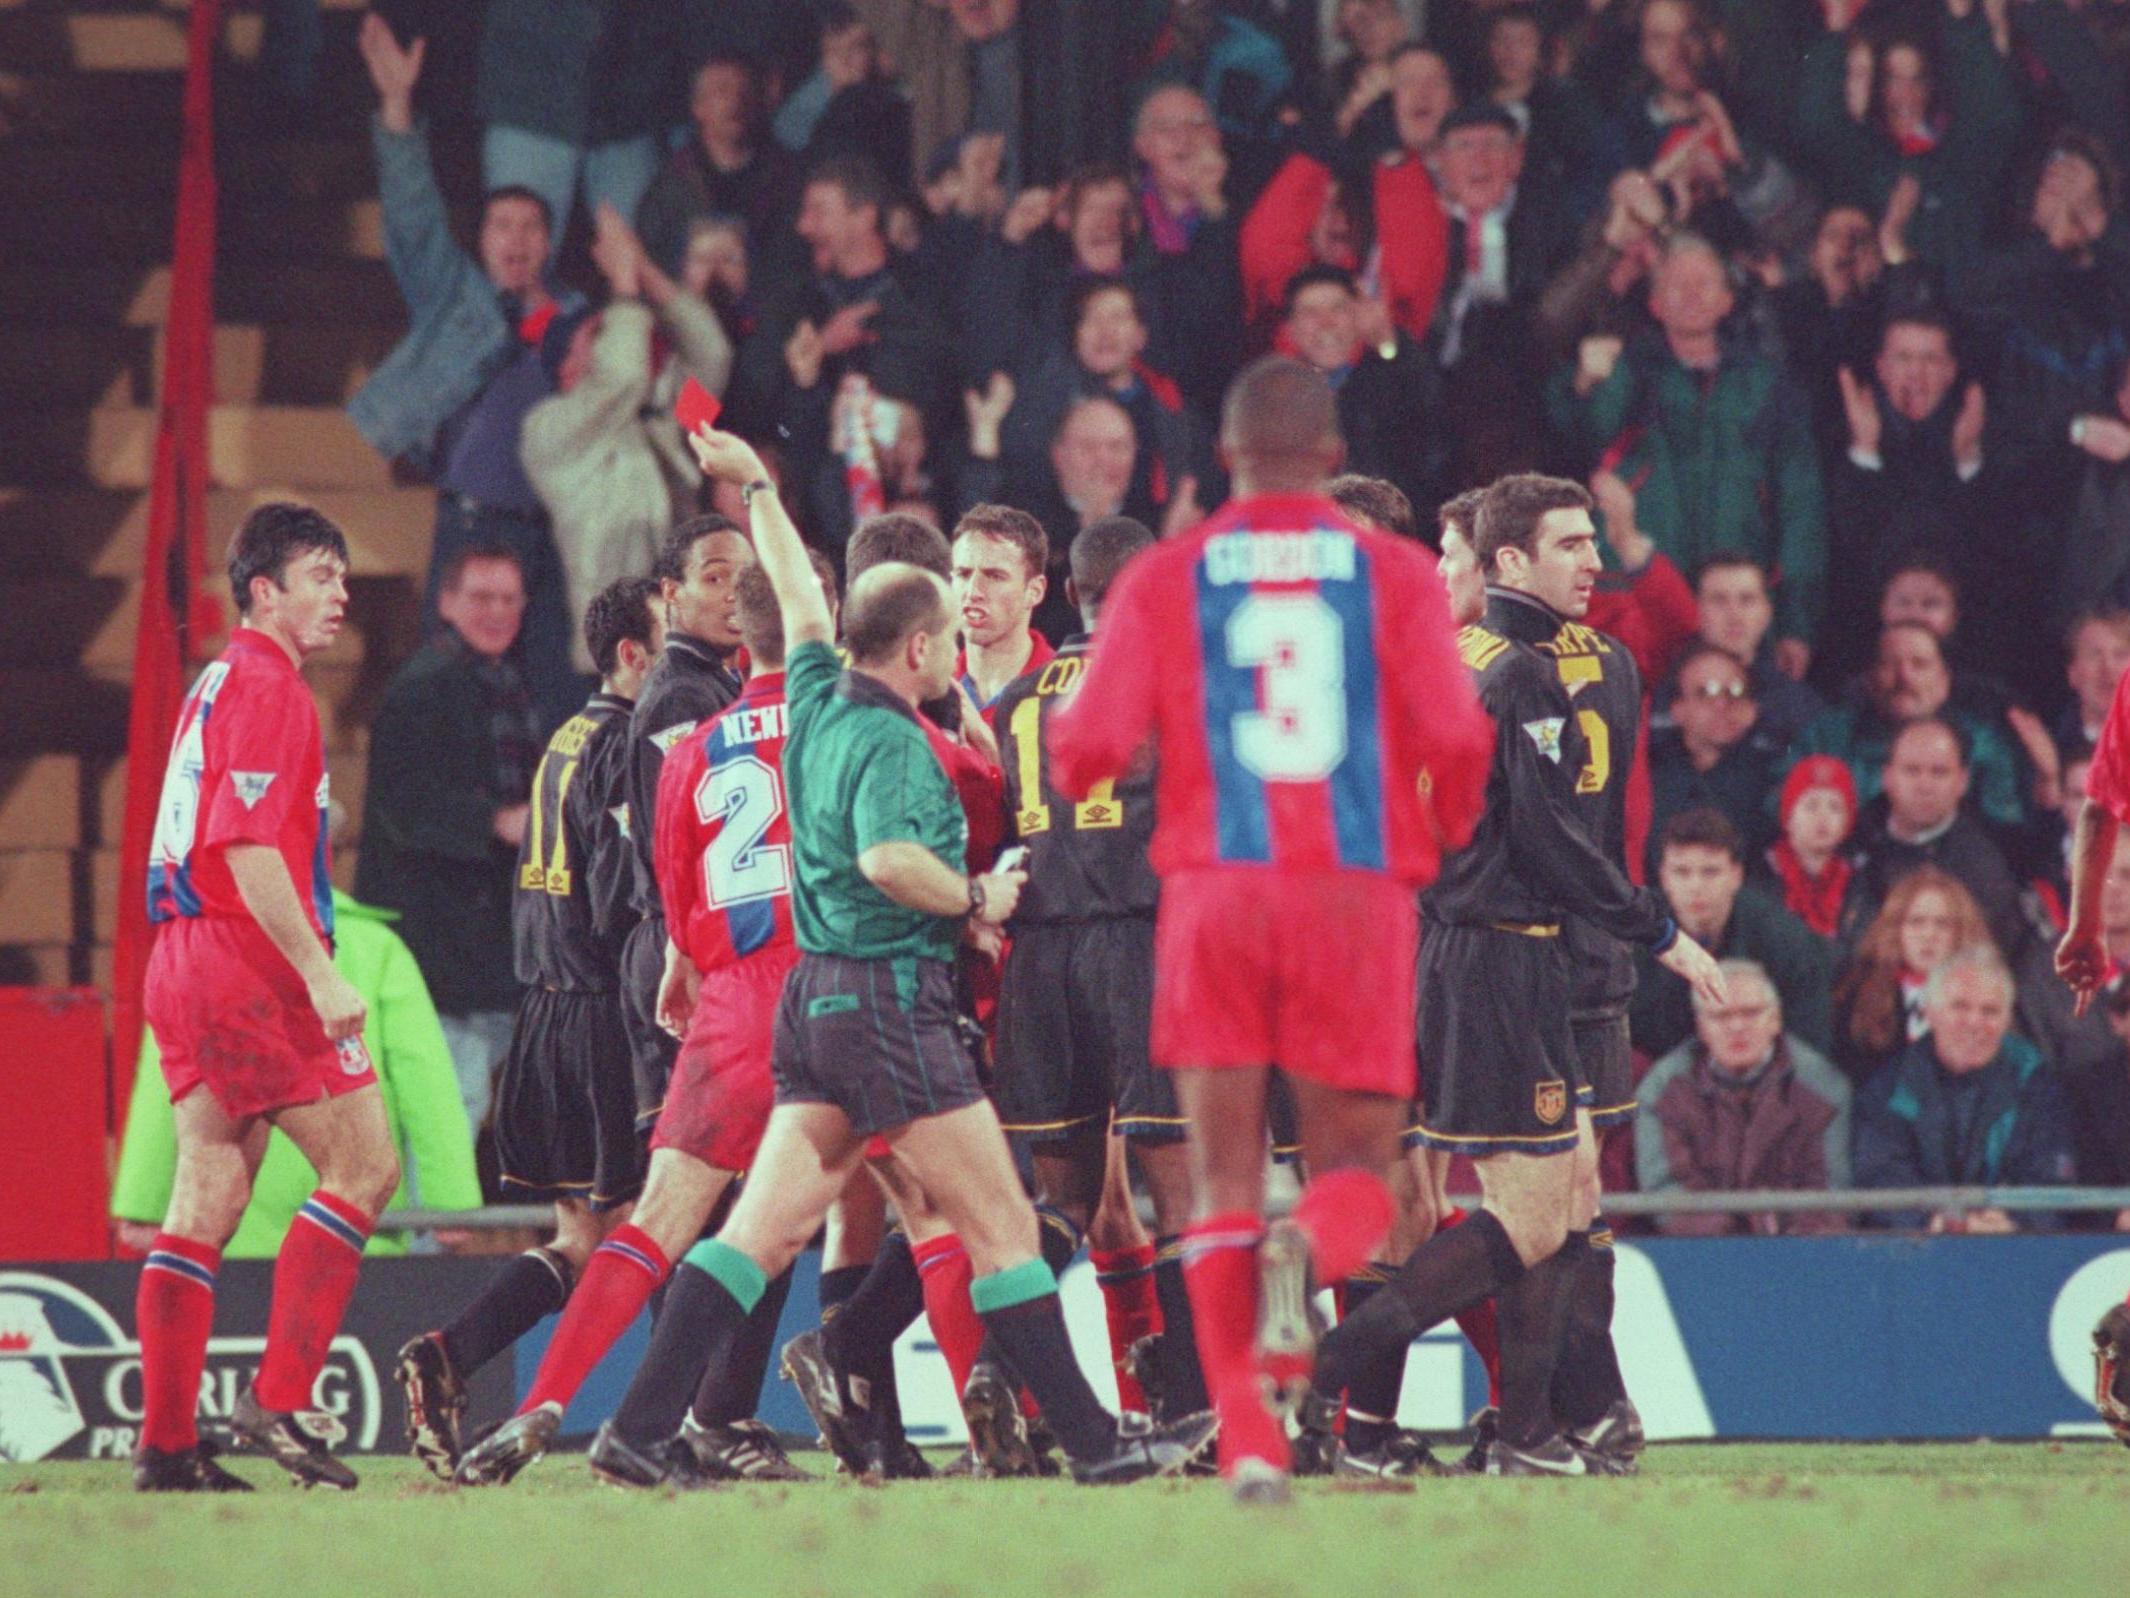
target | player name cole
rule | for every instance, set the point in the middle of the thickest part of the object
(1319, 556)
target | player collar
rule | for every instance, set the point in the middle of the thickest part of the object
(1524, 617)
(253, 642)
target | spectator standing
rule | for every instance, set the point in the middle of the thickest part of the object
(853, 314)
(1189, 245)
(452, 753)
(1925, 919)
(573, 93)
(2096, 563)
(1725, 439)
(1919, 820)
(2098, 651)
(1969, 1104)
(1742, 1105)
(1504, 242)
(1701, 870)
(1710, 757)
(604, 452)
(727, 169)
(1910, 679)
(1805, 867)
(486, 345)
(1385, 389)
(849, 105)
(1737, 613)
(1939, 108)
(415, 1079)
(1909, 481)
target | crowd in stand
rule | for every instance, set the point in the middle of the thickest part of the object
(1828, 300)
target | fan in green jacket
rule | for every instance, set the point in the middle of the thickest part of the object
(421, 1096)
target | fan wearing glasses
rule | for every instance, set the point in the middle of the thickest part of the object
(1713, 755)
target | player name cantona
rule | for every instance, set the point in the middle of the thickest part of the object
(1316, 556)
(750, 726)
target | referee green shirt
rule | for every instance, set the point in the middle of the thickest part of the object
(858, 771)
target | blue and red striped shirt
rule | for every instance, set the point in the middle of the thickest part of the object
(1298, 678)
(722, 844)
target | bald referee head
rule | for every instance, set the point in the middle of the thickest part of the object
(1279, 429)
(898, 623)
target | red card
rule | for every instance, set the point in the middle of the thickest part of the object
(696, 407)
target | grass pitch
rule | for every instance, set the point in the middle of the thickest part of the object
(1723, 1521)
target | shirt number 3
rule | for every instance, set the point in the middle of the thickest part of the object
(1297, 645)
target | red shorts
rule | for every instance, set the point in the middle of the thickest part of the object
(230, 1013)
(1314, 974)
(721, 1091)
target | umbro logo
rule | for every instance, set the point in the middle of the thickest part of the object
(251, 786)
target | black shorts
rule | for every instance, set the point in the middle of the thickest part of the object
(879, 1039)
(1075, 1009)
(652, 1049)
(1604, 1062)
(565, 1115)
(1497, 1058)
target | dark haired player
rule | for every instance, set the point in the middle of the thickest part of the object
(723, 851)
(866, 1041)
(1001, 565)
(1296, 675)
(257, 1028)
(1498, 1057)
(1076, 1003)
(565, 1114)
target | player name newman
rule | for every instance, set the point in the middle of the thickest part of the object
(1280, 557)
(751, 726)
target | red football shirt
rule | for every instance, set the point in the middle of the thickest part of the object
(721, 844)
(1299, 679)
(246, 766)
(2108, 779)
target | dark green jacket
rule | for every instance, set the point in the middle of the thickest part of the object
(1858, 164)
(1908, 1128)
(1662, 1016)
(429, 848)
(589, 71)
(1731, 463)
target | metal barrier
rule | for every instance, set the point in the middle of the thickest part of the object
(505, 1217)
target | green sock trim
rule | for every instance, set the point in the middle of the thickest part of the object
(1030, 1279)
(730, 1269)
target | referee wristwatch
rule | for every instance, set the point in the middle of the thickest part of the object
(761, 485)
(975, 912)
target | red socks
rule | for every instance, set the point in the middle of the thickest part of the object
(1479, 1325)
(943, 1266)
(1126, 1277)
(618, 1281)
(173, 1312)
(1220, 1271)
(1345, 1215)
(314, 1277)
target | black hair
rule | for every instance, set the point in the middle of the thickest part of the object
(269, 538)
(1705, 828)
(620, 610)
(1512, 509)
(898, 535)
(1101, 551)
(1310, 277)
(672, 562)
(455, 564)
(518, 191)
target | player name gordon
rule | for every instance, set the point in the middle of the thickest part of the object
(1280, 558)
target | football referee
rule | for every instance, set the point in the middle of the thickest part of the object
(866, 1040)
